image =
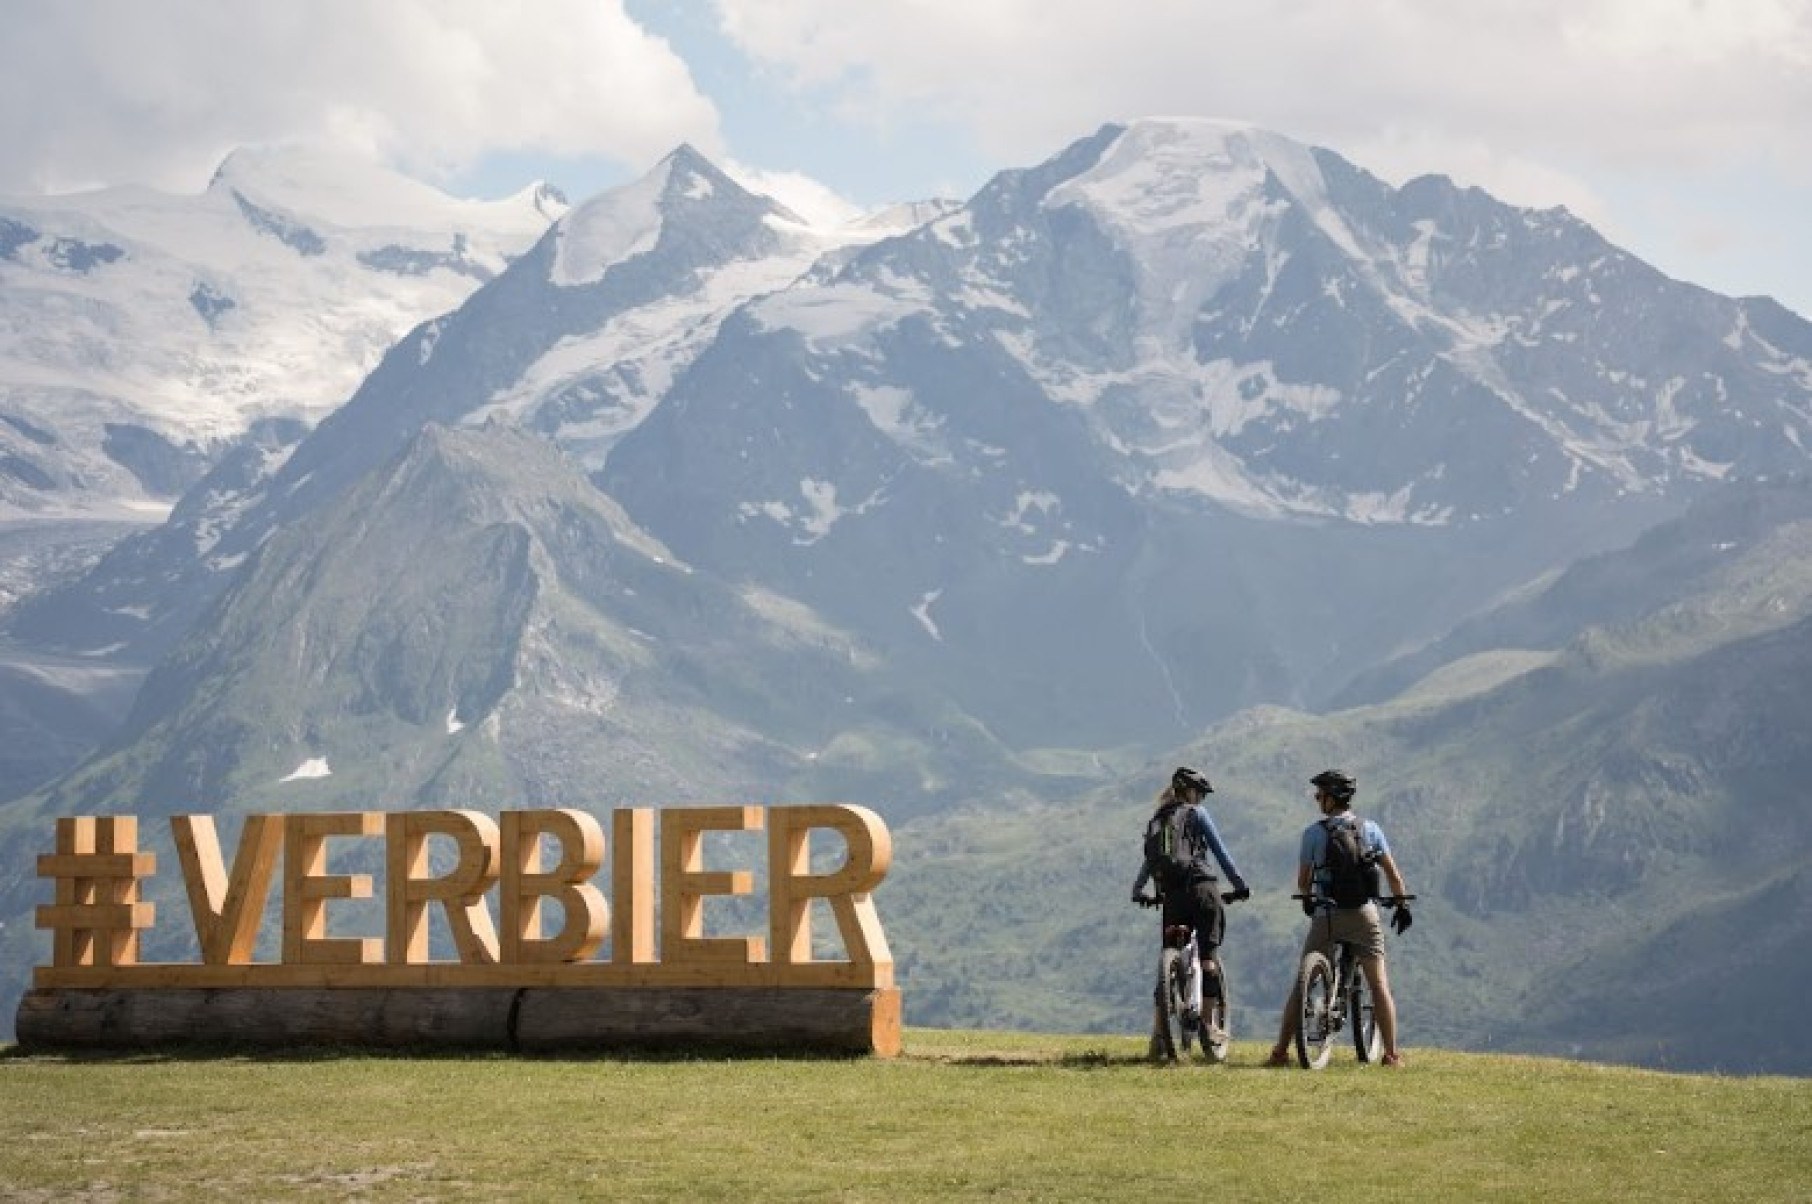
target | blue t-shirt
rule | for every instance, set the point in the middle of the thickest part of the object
(1314, 851)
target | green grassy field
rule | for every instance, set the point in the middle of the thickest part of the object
(960, 1116)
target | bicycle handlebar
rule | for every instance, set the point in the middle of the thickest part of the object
(1228, 897)
(1384, 900)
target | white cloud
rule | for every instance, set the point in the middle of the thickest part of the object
(1682, 128)
(811, 200)
(1547, 85)
(156, 91)
(1603, 106)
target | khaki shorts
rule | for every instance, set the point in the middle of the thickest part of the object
(1357, 926)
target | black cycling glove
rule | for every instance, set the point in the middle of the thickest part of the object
(1308, 906)
(1402, 920)
(1238, 894)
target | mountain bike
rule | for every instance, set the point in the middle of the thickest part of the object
(1183, 1018)
(1331, 992)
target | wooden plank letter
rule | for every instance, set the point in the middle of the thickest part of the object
(792, 885)
(118, 835)
(685, 883)
(523, 885)
(307, 886)
(227, 910)
(72, 946)
(632, 885)
(408, 889)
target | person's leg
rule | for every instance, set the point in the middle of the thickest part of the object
(1211, 975)
(1384, 1007)
(1212, 1028)
(1207, 922)
(1292, 1012)
(1286, 1029)
(1172, 913)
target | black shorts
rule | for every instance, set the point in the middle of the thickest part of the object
(1198, 904)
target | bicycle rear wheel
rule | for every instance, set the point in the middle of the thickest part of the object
(1315, 993)
(1170, 1000)
(1366, 1039)
(1217, 1020)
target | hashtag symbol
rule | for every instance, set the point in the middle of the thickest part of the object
(97, 915)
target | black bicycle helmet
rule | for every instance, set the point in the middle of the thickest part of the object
(1186, 778)
(1339, 786)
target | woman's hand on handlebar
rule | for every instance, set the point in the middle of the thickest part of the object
(1235, 896)
(1145, 900)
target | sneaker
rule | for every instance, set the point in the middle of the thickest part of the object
(1213, 1035)
(1278, 1058)
(1391, 1059)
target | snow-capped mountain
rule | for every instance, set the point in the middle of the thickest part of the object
(1241, 412)
(142, 332)
(1260, 324)
(702, 246)
(577, 341)
(1187, 418)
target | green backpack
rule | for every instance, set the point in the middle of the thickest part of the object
(1167, 846)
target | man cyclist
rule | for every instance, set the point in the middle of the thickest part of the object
(1186, 885)
(1357, 925)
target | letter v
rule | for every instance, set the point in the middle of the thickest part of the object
(227, 911)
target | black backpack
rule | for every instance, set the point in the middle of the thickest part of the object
(1352, 871)
(1167, 847)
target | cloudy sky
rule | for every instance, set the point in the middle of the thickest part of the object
(1681, 128)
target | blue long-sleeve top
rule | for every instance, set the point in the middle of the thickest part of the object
(1200, 832)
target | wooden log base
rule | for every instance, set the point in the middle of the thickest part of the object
(528, 1019)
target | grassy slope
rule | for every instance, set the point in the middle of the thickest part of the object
(962, 1115)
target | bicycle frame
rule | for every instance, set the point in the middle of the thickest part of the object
(1331, 990)
(1177, 995)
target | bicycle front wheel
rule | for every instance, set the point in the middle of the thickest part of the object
(1366, 1039)
(1315, 1013)
(1170, 1000)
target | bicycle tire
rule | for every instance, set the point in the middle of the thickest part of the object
(1169, 1007)
(1218, 1014)
(1183, 989)
(1315, 998)
(1368, 1043)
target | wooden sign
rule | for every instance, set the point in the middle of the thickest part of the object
(602, 941)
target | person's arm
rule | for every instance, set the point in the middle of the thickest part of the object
(1219, 848)
(1305, 867)
(1144, 877)
(1389, 865)
(1375, 835)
